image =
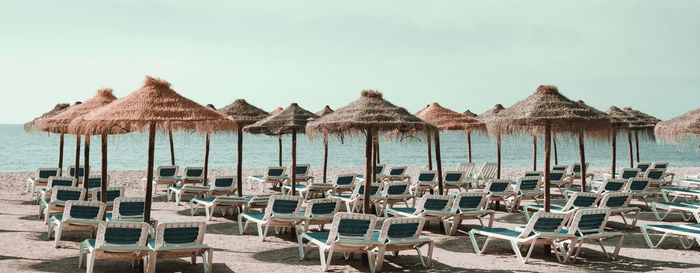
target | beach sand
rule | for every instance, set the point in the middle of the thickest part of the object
(26, 248)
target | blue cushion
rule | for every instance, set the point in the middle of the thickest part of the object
(45, 174)
(469, 202)
(498, 186)
(397, 189)
(131, 208)
(301, 169)
(424, 177)
(545, 224)
(435, 204)
(638, 185)
(343, 180)
(528, 185)
(180, 235)
(94, 182)
(584, 201)
(613, 186)
(68, 195)
(223, 182)
(404, 210)
(255, 215)
(555, 176)
(629, 174)
(396, 171)
(617, 201)
(194, 172)
(453, 177)
(591, 221)
(165, 172)
(321, 236)
(111, 195)
(275, 172)
(61, 182)
(502, 231)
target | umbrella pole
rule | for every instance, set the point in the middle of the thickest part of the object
(294, 161)
(430, 156)
(368, 171)
(498, 157)
(86, 160)
(469, 146)
(376, 151)
(636, 143)
(325, 156)
(60, 154)
(554, 141)
(206, 161)
(582, 153)
(239, 164)
(629, 142)
(279, 140)
(534, 153)
(614, 148)
(77, 156)
(437, 161)
(547, 183)
(103, 190)
(172, 148)
(149, 172)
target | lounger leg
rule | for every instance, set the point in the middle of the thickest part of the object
(241, 228)
(210, 257)
(57, 235)
(378, 261)
(260, 232)
(491, 216)
(151, 258)
(90, 262)
(647, 237)
(472, 237)
(300, 241)
(81, 254)
(618, 246)
(516, 249)
(209, 212)
(192, 207)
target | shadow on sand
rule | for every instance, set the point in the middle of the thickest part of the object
(70, 264)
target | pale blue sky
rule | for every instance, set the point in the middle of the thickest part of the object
(462, 54)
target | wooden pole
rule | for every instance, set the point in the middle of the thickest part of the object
(368, 171)
(86, 160)
(206, 161)
(547, 183)
(469, 146)
(325, 156)
(614, 148)
(149, 172)
(554, 141)
(239, 164)
(77, 155)
(172, 147)
(629, 142)
(430, 156)
(534, 153)
(438, 162)
(279, 140)
(376, 151)
(294, 161)
(582, 153)
(498, 158)
(103, 186)
(60, 154)
(636, 142)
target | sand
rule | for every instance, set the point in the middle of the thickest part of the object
(26, 248)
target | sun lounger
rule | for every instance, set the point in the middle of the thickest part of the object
(562, 168)
(303, 174)
(642, 166)
(319, 212)
(526, 188)
(273, 175)
(94, 181)
(395, 174)
(180, 240)
(112, 193)
(560, 181)
(689, 234)
(607, 185)
(41, 178)
(354, 201)
(343, 183)
(639, 187)
(281, 211)
(129, 209)
(426, 181)
(71, 172)
(78, 215)
(688, 211)
(392, 193)
(187, 190)
(487, 172)
(588, 225)
(165, 175)
(467, 169)
(256, 203)
(117, 241)
(398, 234)
(309, 191)
(59, 196)
(378, 170)
(577, 201)
(192, 175)
(533, 173)
(455, 180)
(656, 176)
(498, 190)
(223, 185)
(469, 205)
(683, 194)
(542, 228)
(350, 233)
(625, 173)
(668, 176)
(430, 207)
(575, 172)
(54, 181)
(619, 204)
(225, 203)
(689, 182)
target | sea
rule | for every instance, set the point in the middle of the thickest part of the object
(26, 151)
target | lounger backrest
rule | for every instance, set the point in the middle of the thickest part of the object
(303, 169)
(193, 172)
(467, 168)
(396, 171)
(582, 200)
(396, 188)
(224, 181)
(62, 181)
(642, 166)
(576, 168)
(400, 229)
(545, 222)
(488, 171)
(167, 171)
(45, 173)
(654, 174)
(614, 185)
(95, 181)
(128, 207)
(433, 202)
(556, 175)
(283, 205)
(379, 168)
(615, 200)
(81, 170)
(426, 176)
(63, 193)
(638, 184)
(468, 201)
(84, 210)
(497, 185)
(562, 168)
(374, 188)
(180, 233)
(351, 226)
(533, 173)
(275, 171)
(628, 173)
(322, 207)
(229, 201)
(453, 176)
(344, 179)
(121, 234)
(527, 184)
(193, 189)
(257, 202)
(588, 220)
(660, 165)
(112, 193)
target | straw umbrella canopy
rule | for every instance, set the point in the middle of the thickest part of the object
(154, 106)
(545, 110)
(647, 128)
(446, 119)
(369, 114)
(59, 108)
(489, 115)
(279, 137)
(469, 114)
(325, 111)
(291, 120)
(680, 127)
(59, 124)
(616, 124)
(632, 123)
(245, 114)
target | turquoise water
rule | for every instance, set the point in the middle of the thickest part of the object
(22, 151)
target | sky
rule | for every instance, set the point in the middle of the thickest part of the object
(461, 54)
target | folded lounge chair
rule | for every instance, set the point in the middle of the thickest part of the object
(273, 175)
(78, 215)
(469, 205)
(588, 225)
(487, 172)
(180, 240)
(41, 178)
(398, 234)
(165, 175)
(59, 196)
(282, 211)
(467, 168)
(689, 234)
(117, 241)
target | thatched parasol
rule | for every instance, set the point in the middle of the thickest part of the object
(632, 123)
(153, 106)
(277, 110)
(325, 111)
(616, 124)
(680, 127)
(545, 110)
(647, 127)
(59, 108)
(488, 115)
(291, 120)
(368, 114)
(469, 114)
(59, 124)
(243, 113)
